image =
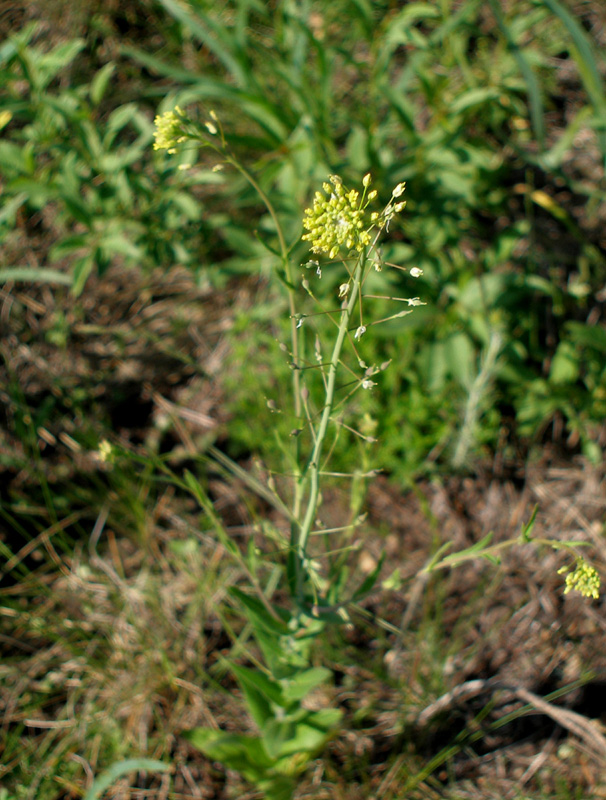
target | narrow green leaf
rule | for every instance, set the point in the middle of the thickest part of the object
(70, 245)
(585, 59)
(526, 532)
(368, 583)
(212, 35)
(474, 97)
(474, 551)
(100, 82)
(554, 157)
(532, 85)
(436, 559)
(194, 487)
(34, 275)
(105, 780)
(80, 273)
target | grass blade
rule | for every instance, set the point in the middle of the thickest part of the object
(105, 780)
(532, 85)
(34, 275)
(582, 52)
(213, 36)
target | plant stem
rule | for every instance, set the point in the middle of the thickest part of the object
(313, 466)
(294, 334)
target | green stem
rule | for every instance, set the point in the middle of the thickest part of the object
(294, 334)
(313, 466)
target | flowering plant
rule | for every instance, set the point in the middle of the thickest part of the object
(341, 225)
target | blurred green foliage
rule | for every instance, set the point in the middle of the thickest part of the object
(477, 107)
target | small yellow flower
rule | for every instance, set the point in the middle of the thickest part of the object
(105, 453)
(337, 218)
(169, 130)
(583, 579)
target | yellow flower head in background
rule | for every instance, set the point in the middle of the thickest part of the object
(169, 130)
(583, 579)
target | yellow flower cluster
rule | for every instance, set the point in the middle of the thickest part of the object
(337, 218)
(169, 130)
(583, 579)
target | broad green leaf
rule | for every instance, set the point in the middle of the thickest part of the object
(258, 614)
(78, 209)
(121, 117)
(461, 356)
(284, 655)
(565, 367)
(22, 38)
(402, 30)
(119, 243)
(484, 292)
(591, 336)
(186, 203)
(13, 159)
(260, 692)
(302, 683)
(246, 754)
(326, 719)
(277, 787)
(7, 214)
(285, 738)
(277, 736)
(52, 63)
